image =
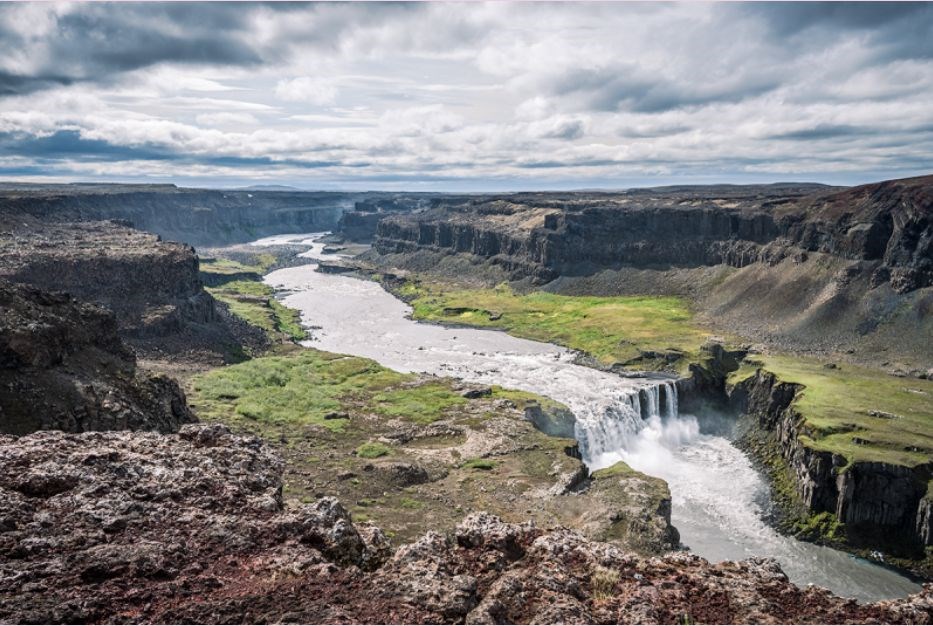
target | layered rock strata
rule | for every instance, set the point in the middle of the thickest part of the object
(881, 504)
(151, 285)
(195, 216)
(888, 225)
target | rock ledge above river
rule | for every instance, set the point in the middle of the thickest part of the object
(191, 527)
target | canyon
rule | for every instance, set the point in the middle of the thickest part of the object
(841, 275)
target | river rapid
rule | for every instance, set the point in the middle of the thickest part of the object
(718, 498)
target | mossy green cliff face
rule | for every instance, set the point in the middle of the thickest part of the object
(846, 468)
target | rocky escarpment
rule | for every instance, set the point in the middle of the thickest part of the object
(360, 224)
(206, 217)
(63, 367)
(191, 528)
(152, 286)
(195, 216)
(888, 225)
(882, 505)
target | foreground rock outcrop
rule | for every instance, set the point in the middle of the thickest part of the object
(191, 527)
(63, 366)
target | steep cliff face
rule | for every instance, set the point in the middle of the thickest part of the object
(63, 367)
(153, 286)
(545, 235)
(198, 217)
(882, 505)
(360, 224)
(890, 222)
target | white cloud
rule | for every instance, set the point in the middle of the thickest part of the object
(528, 91)
(226, 119)
(306, 89)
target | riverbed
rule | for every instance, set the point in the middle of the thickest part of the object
(718, 498)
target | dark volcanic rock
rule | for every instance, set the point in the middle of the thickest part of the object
(191, 528)
(882, 505)
(63, 366)
(547, 235)
(203, 217)
(360, 224)
(152, 285)
(195, 216)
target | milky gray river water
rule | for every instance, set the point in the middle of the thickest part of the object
(718, 497)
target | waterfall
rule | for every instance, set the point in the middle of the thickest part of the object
(671, 397)
(606, 428)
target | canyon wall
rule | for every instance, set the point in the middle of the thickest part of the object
(199, 217)
(888, 225)
(64, 367)
(210, 217)
(152, 286)
(883, 505)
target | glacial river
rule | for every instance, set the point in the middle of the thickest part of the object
(718, 497)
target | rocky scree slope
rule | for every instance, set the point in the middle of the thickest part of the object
(63, 367)
(138, 527)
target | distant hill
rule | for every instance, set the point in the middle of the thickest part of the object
(269, 188)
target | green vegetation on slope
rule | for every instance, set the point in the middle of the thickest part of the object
(263, 261)
(407, 451)
(633, 330)
(313, 387)
(242, 290)
(860, 413)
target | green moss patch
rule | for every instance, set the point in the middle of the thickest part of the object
(859, 413)
(254, 302)
(262, 263)
(480, 464)
(314, 387)
(645, 330)
(619, 470)
(423, 403)
(373, 450)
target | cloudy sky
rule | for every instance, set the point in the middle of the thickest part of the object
(465, 96)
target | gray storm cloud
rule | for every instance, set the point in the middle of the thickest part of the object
(465, 95)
